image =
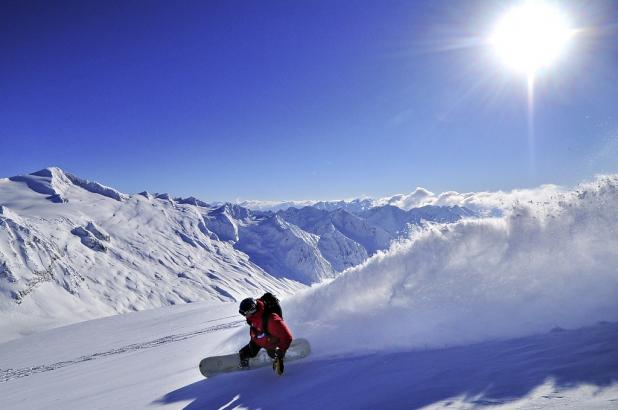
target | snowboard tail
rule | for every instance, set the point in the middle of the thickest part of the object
(210, 366)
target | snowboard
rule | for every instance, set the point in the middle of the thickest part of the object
(211, 366)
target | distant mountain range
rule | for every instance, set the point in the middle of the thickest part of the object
(74, 249)
(316, 242)
(418, 198)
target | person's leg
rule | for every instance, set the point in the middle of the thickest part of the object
(277, 355)
(247, 352)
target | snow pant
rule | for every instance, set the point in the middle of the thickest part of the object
(252, 349)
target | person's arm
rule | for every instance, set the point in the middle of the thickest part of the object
(280, 330)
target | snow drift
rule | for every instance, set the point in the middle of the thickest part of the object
(543, 265)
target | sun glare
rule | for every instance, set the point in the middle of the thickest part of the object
(531, 36)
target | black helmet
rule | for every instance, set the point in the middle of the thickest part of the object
(247, 307)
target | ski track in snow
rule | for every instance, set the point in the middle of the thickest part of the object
(12, 374)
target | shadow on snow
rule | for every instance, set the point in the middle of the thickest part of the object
(484, 373)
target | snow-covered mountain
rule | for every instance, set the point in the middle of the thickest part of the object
(311, 244)
(73, 249)
(339, 250)
(285, 250)
(479, 203)
(354, 205)
(226, 220)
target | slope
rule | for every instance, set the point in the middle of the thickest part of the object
(72, 250)
(148, 360)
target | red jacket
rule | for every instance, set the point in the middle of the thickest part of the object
(277, 335)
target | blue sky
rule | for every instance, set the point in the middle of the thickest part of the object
(229, 100)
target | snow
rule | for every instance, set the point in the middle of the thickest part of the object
(72, 245)
(515, 311)
(485, 203)
(285, 250)
(274, 205)
(311, 244)
(540, 266)
(149, 360)
(96, 253)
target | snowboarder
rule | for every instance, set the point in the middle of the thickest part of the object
(268, 331)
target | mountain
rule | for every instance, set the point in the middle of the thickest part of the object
(280, 248)
(420, 198)
(311, 244)
(72, 249)
(285, 250)
(373, 228)
(227, 219)
(397, 221)
(307, 244)
(353, 206)
(338, 249)
(273, 206)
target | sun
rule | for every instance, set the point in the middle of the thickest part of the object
(531, 36)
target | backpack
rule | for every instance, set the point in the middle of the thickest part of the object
(271, 305)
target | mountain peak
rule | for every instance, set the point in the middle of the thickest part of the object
(49, 172)
(51, 181)
(55, 183)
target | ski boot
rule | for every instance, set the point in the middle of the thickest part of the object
(278, 362)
